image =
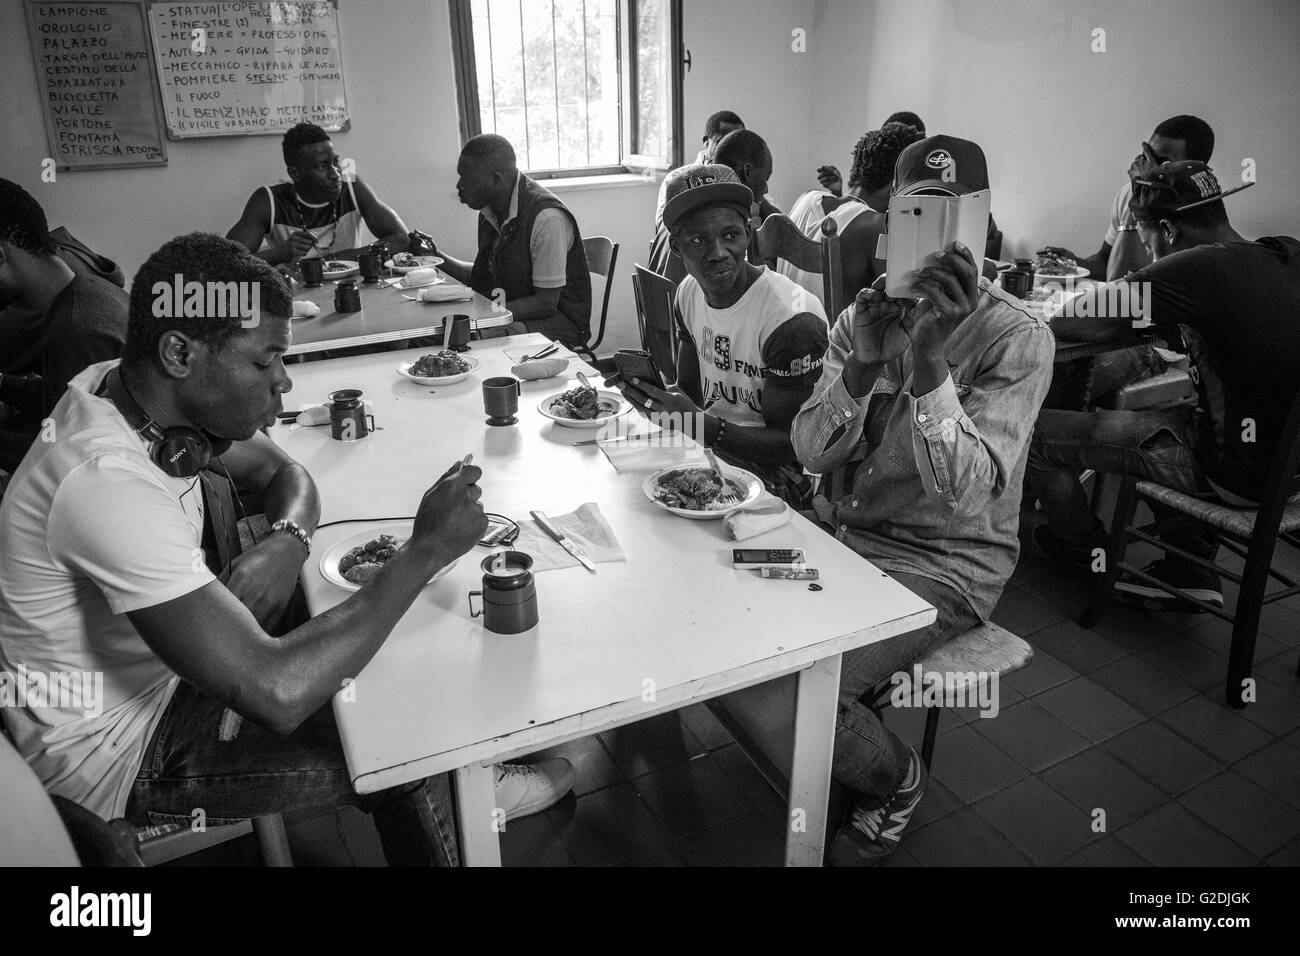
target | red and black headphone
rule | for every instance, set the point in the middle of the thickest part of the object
(180, 451)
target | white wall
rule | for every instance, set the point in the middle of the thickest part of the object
(407, 149)
(1058, 122)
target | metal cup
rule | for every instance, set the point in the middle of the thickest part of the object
(370, 264)
(501, 399)
(509, 593)
(459, 332)
(347, 297)
(1017, 283)
(313, 271)
(348, 418)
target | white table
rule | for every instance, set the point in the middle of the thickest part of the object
(671, 626)
(385, 316)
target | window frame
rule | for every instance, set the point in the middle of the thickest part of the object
(469, 110)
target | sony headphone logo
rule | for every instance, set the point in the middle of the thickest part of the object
(172, 459)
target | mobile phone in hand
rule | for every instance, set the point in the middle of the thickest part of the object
(639, 364)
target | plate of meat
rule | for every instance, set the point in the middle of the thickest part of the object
(438, 368)
(359, 558)
(583, 407)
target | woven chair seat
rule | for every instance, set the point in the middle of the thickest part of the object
(984, 649)
(1235, 521)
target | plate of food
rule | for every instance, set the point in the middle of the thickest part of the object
(334, 269)
(355, 560)
(438, 368)
(695, 492)
(1049, 268)
(419, 278)
(583, 406)
(404, 262)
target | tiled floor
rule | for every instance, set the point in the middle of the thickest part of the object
(1114, 748)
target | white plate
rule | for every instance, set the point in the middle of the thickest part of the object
(422, 262)
(352, 269)
(750, 482)
(329, 561)
(1079, 273)
(404, 370)
(612, 402)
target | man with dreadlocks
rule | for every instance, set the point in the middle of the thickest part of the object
(859, 215)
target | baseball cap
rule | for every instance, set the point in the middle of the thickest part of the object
(1172, 188)
(692, 188)
(941, 162)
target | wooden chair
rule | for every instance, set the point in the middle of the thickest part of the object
(602, 255)
(1248, 532)
(654, 315)
(781, 239)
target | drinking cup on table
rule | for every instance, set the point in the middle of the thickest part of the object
(369, 263)
(501, 399)
(313, 271)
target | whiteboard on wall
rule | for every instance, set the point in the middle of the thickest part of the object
(240, 68)
(95, 79)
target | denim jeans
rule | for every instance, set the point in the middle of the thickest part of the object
(204, 757)
(1114, 370)
(1154, 446)
(870, 759)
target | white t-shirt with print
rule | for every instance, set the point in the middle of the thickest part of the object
(775, 329)
(92, 529)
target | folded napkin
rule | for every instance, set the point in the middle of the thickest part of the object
(767, 513)
(303, 309)
(651, 452)
(445, 292)
(585, 528)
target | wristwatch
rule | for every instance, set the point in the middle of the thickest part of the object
(293, 528)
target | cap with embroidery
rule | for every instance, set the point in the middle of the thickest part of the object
(1171, 188)
(692, 188)
(953, 165)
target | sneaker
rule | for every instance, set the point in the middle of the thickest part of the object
(1078, 557)
(871, 836)
(1200, 583)
(524, 789)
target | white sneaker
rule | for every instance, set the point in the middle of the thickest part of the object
(523, 789)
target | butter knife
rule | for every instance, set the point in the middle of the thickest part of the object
(547, 525)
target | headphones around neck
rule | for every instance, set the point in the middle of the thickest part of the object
(180, 451)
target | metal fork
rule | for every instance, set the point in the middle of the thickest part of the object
(726, 498)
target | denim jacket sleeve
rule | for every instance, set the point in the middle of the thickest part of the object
(966, 449)
(828, 427)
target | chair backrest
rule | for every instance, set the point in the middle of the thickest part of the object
(779, 238)
(602, 255)
(654, 308)
(1283, 478)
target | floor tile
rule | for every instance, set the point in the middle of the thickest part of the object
(1173, 837)
(1022, 614)
(691, 796)
(1281, 623)
(1081, 649)
(1037, 820)
(1163, 757)
(1287, 856)
(1281, 670)
(938, 802)
(1216, 634)
(741, 842)
(1276, 768)
(961, 839)
(1273, 708)
(1089, 709)
(1185, 660)
(1043, 672)
(594, 769)
(318, 841)
(706, 727)
(1132, 628)
(1247, 814)
(1096, 780)
(1142, 685)
(971, 767)
(1216, 728)
(651, 744)
(608, 826)
(530, 841)
(1106, 851)
(1031, 735)
(752, 785)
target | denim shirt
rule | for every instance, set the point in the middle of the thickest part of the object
(938, 493)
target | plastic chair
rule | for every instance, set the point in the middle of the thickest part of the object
(654, 314)
(602, 255)
(1251, 533)
(779, 238)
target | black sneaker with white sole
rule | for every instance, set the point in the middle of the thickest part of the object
(1200, 583)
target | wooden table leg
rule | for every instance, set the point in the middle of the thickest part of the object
(480, 821)
(816, 707)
